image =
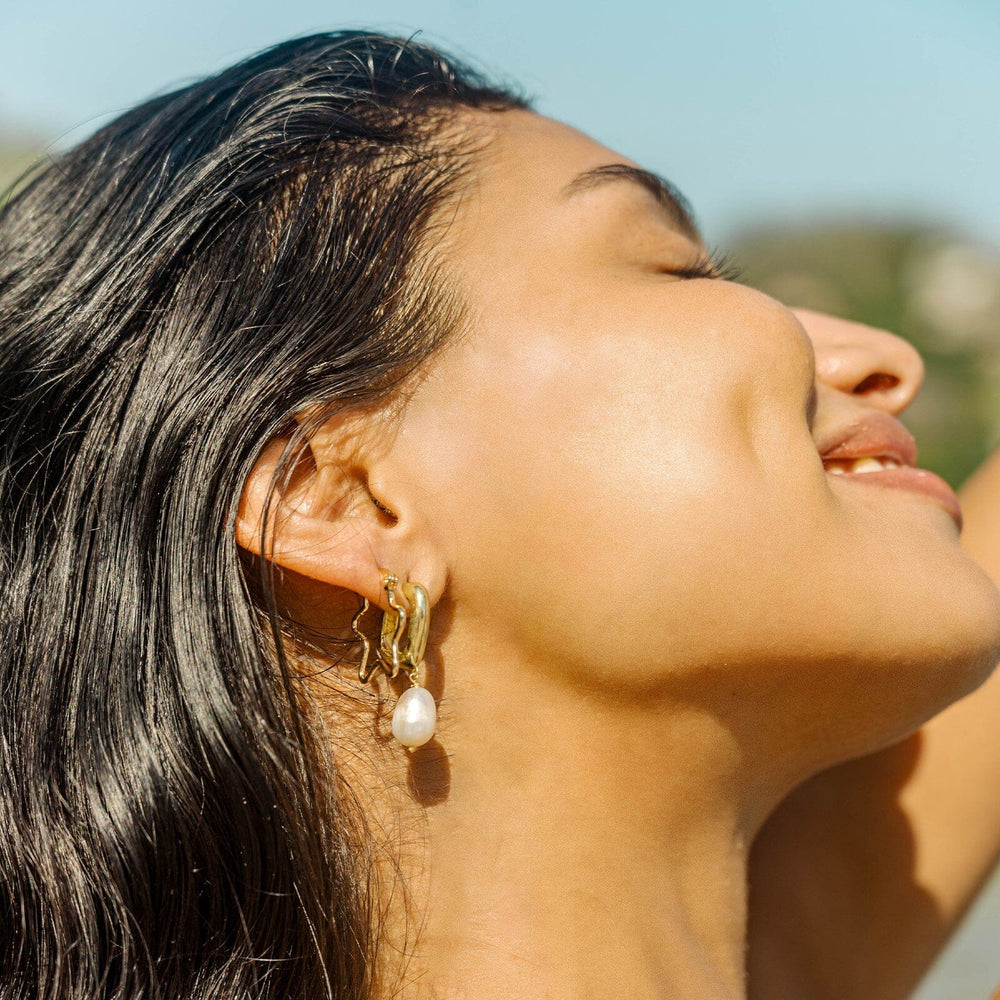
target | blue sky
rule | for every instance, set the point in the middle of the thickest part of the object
(760, 110)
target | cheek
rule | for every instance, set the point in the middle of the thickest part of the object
(622, 492)
(635, 520)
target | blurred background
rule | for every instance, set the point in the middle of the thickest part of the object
(846, 155)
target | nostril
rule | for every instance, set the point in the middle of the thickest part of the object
(876, 382)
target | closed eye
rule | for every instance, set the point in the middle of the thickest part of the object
(716, 266)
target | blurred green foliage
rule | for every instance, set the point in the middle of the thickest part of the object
(937, 289)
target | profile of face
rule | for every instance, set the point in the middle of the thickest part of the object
(619, 473)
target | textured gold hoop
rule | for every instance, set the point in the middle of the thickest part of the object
(414, 623)
(364, 670)
(403, 637)
(394, 622)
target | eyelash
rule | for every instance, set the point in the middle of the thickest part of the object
(714, 266)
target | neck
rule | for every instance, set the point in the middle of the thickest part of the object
(577, 848)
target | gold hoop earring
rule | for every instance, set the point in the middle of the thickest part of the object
(402, 643)
(365, 670)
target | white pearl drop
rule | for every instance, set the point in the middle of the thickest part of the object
(414, 717)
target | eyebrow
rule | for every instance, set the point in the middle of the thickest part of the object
(667, 196)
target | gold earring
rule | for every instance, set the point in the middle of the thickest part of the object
(402, 643)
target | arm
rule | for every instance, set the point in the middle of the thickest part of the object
(860, 877)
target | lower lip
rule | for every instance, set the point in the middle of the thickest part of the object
(913, 480)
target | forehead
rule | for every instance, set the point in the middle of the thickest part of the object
(526, 157)
(552, 147)
(533, 172)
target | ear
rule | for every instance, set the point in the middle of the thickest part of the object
(324, 522)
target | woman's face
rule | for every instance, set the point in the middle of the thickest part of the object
(622, 467)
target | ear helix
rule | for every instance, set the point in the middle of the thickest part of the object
(402, 643)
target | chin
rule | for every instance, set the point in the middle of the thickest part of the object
(869, 689)
(975, 651)
(951, 655)
(967, 631)
(933, 629)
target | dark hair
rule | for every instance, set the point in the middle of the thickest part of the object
(171, 292)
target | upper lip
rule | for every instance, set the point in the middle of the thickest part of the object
(876, 435)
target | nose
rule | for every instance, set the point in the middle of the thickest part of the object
(862, 361)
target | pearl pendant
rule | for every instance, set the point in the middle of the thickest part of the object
(414, 717)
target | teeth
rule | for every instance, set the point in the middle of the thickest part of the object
(867, 463)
